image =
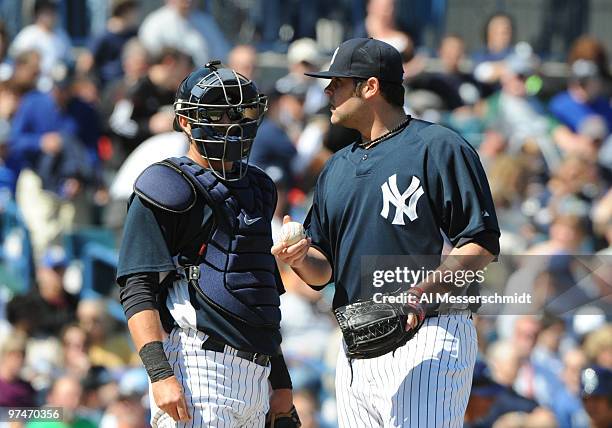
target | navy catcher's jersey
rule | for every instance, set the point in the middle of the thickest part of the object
(398, 198)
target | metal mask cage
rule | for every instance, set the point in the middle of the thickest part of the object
(218, 140)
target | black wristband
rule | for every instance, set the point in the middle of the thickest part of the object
(279, 374)
(155, 361)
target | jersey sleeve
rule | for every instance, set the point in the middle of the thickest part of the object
(460, 191)
(316, 224)
(143, 248)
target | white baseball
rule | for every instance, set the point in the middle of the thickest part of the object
(292, 232)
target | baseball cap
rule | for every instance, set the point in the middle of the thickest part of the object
(55, 257)
(134, 382)
(596, 380)
(520, 65)
(365, 58)
(62, 75)
(583, 69)
(291, 85)
(522, 61)
(303, 50)
(96, 377)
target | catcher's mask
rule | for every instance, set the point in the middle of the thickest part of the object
(224, 109)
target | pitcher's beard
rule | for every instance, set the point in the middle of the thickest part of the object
(342, 119)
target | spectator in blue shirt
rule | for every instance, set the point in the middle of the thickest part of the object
(583, 98)
(53, 150)
(49, 125)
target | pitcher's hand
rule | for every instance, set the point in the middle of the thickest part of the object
(293, 255)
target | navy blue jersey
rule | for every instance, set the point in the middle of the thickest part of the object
(400, 197)
(152, 238)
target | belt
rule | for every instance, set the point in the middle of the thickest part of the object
(450, 311)
(255, 357)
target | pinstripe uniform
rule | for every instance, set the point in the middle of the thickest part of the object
(403, 197)
(425, 383)
(222, 389)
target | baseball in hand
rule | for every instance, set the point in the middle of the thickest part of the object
(292, 232)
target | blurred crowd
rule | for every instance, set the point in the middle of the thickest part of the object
(78, 124)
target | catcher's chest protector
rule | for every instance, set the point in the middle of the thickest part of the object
(237, 271)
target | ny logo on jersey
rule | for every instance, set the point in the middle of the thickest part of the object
(392, 195)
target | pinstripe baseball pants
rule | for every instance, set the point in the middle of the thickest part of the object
(221, 389)
(425, 383)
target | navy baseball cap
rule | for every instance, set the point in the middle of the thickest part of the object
(596, 380)
(55, 258)
(364, 58)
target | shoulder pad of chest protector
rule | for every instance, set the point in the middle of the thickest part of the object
(165, 186)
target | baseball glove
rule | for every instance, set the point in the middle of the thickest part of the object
(373, 329)
(283, 420)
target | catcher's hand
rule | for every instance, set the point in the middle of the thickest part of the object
(288, 419)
